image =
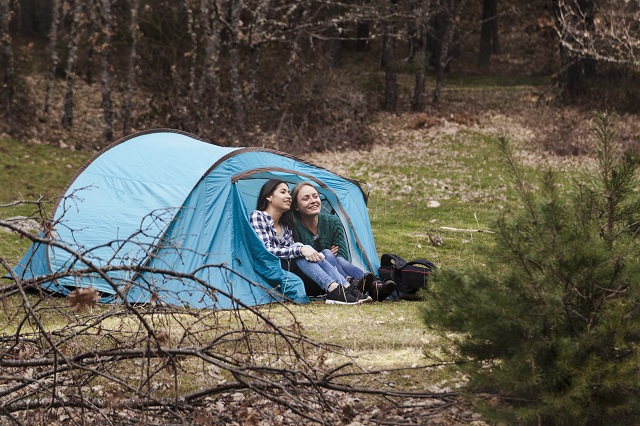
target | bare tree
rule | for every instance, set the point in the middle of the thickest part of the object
(453, 10)
(53, 52)
(489, 37)
(577, 67)
(67, 117)
(295, 18)
(592, 32)
(422, 11)
(6, 54)
(236, 35)
(606, 31)
(134, 32)
(105, 62)
(192, 30)
(389, 60)
(257, 38)
(210, 76)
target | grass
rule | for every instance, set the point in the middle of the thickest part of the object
(28, 173)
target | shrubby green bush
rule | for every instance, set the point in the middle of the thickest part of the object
(549, 332)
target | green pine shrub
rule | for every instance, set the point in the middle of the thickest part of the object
(549, 333)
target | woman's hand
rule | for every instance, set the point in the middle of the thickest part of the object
(311, 254)
(334, 250)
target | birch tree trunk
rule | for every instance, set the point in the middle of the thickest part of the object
(67, 117)
(237, 109)
(53, 53)
(134, 32)
(192, 30)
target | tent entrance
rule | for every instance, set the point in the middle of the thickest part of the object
(250, 182)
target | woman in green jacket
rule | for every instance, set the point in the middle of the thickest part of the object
(325, 233)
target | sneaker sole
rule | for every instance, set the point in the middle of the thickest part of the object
(337, 302)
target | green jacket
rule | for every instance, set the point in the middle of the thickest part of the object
(330, 232)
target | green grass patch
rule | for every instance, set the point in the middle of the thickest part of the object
(31, 172)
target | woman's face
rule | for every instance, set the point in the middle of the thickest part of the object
(308, 200)
(280, 199)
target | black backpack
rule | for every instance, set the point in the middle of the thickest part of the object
(408, 276)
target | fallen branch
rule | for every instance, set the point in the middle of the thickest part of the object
(482, 231)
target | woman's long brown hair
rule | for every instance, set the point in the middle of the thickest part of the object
(267, 190)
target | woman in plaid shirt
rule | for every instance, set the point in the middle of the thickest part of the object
(273, 225)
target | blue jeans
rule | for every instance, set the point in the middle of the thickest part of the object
(343, 266)
(323, 273)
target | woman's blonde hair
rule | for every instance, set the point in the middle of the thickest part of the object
(294, 196)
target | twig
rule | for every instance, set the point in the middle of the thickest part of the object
(482, 231)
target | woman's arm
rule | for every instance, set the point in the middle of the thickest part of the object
(338, 238)
(262, 224)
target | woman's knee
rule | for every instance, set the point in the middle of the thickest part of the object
(327, 254)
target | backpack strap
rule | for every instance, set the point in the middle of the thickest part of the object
(392, 260)
(397, 267)
(423, 262)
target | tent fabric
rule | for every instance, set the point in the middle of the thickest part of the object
(163, 215)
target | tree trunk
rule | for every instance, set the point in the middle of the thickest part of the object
(105, 74)
(192, 30)
(53, 53)
(257, 39)
(297, 16)
(33, 17)
(419, 101)
(6, 56)
(362, 33)
(292, 62)
(210, 79)
(422, 11)
(388, 63)
(237, 109)
(453, 18)
(437, 27)
(67, 117)
(489, 41)
(131, 72)
(89, 11)
(576, 70)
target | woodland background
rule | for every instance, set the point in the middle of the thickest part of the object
(294, 75)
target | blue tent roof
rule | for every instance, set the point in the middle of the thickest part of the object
(165, 215)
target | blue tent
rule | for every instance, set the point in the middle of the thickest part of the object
(164, 215)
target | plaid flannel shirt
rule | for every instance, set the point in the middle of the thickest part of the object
(263, 224)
